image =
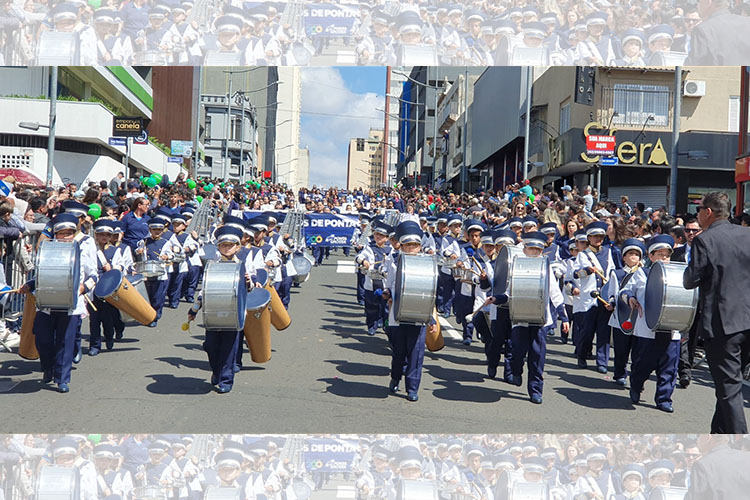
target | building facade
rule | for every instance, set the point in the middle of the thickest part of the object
(365, 161)
(88, 99)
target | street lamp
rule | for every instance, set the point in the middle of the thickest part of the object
(416, 123)
(51, 126)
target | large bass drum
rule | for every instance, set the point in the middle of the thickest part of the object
(302, 267)
(57, 275)
(669, 306)
(222, 493)
(58, 483)
(501, 275)
(415, 285)
(139, 282)
(413, 489)
(504, 486)
(224, 296)
(529, 491)
(529, 290)
(667, 493)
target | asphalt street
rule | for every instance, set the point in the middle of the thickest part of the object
(326, 376)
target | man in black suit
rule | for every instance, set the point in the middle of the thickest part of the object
(689, 341)
(721, 39)
(722, 472)
(718, 267)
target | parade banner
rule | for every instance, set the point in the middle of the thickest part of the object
(329, 455)
(330, 230)
(329, 20)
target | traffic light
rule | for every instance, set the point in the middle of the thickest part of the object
(585, 84)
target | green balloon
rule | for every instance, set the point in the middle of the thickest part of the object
(157, 177)
(210, 186)
(143, 180)
(266, 182)
(191, 183)
(95, 438)
(222, 184)
(199, 198)
(95, 210)
(432, 206)
(95, 4)
(150, 182)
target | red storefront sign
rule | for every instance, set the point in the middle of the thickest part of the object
(600, 144)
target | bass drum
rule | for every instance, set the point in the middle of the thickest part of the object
(668, 493)
(302, 489)
(529, 491)
(257, 328)
(415, 285)
(413, 489)
(57, 275)
(57, 48)
(58, 483)
(529, 290)
(27, 343)
(669, 306)
(504, 487)
(224, 296)
(115, 288)
(222, 493)
(501, 275)
(139, 283)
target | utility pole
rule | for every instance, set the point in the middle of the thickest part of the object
(225, 163)
(52, 120)
(529, 78)
(677, 109)
(464, 135)
(197, 122)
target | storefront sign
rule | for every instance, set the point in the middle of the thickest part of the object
(628, 152)
(127, 126)
(600, 144)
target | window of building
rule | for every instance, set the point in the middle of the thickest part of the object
(208, 127)
(564, 118)
(635, 103)
(360, 144)
(734, 113)
(431, 112)
(236, 128)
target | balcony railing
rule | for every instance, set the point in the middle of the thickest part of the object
(632, 107)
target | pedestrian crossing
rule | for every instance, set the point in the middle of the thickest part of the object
(345, 267)
(346, 57)
(448, 329)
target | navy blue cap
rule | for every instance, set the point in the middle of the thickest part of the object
(505, 460)
(597, 453)
(505, 26)
(381, 227)
(454, 218)
(409, 456)
(232, 221)
(534, 464)
(596, 18)
(549, 228)
(409, 22)
(104, 226)
(596, 228)
(534, 239)
(228, 23)
(258, 223)
(228, 233)
(156, 223)
(660, 31)
(228, 458)
(580, 235)
(64, 221)
(63, 11)
(505, 236)
(530, 220)
(663, 466)
(536, 29)
(74, 207)
(64, 446)
(117, 227)
(633, 244)
(634, 470)
(633, 34)
(660, 241)
(179, 218)
(409, 232)
(515, 221)
(487, 237)
(104, 15)
(474, 224)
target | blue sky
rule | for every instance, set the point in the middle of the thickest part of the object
(338, 103)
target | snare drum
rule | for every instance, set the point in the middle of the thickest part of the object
(504, 487)
(150, 493)
(57, 275)
(58, 483)
(261, 276)
(150, 269)
(149, 58)
(302, 267)
(416, 282)
(224, 296)
(670, 493)
(529, 491)
(414, 489)
(258, 325)
(529, 290)
(117, 290)
(501, 275)
(669, 306)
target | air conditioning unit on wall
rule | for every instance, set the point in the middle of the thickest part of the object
(694, 88)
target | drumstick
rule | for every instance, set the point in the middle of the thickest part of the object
(476, 262)
(16, 290)
(597, 296)
(601, 274)
(90, 302)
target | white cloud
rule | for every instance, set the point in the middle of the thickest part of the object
(347, 115)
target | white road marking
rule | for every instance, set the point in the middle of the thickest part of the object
(345, 57)
(345, 267)
(345, 492)
(448, 329)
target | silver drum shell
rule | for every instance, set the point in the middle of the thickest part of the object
(415, 285)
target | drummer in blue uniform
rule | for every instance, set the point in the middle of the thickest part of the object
(407, 340)
(632, 253)
(190, 283)
(595, 264)
(500, 317)
(465, 291)
(221, 346)
(184, 243)
(122, 260)
(364, 220)
(652, 350)
(55, 331)
(373, 256)
(530, 339)
(449, 249)
(103, 318)
(156, 248)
